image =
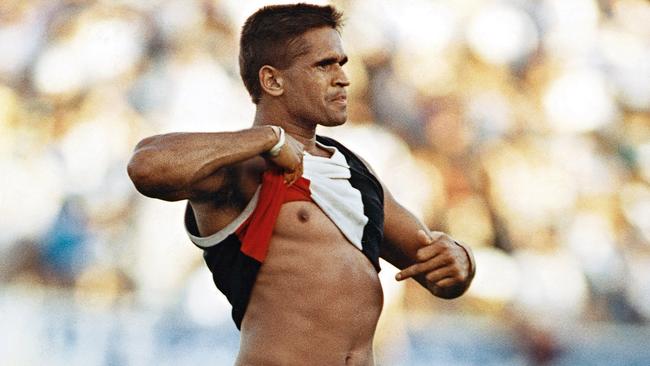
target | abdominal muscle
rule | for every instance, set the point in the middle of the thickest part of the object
(316, 299)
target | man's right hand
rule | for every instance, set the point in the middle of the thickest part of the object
(289, 159)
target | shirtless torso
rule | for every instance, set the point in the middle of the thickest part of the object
(306, 308)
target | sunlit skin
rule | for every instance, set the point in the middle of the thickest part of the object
(317, 298)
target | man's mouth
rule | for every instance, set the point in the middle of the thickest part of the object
(340, 99)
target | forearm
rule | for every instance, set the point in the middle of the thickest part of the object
(169, 166)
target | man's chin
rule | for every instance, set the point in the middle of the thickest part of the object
(336, 120)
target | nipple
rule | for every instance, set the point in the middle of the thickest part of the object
(303, 215)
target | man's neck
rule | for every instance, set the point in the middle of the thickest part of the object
(304, 132)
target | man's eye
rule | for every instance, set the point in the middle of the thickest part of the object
(322, 67)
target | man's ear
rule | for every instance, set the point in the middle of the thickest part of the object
(271, 80)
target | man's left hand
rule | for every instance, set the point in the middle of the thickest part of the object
(444, 263)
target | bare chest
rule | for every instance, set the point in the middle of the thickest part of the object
(313, 278)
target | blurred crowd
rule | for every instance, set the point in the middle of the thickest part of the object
(521, 127)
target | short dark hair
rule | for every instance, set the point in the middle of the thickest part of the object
(269, 38)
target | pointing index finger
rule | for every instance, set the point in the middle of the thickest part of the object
(408, 272)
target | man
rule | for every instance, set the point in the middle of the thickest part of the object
(292, 225)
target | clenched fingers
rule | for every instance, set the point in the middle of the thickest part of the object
(290, 177)
(441, 274)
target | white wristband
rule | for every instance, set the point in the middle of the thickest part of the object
(275, 150)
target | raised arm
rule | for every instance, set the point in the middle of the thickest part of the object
(439, 263)
(181, 166)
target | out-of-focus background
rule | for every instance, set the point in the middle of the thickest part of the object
(520, 127)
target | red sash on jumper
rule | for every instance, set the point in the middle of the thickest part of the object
(255, 233)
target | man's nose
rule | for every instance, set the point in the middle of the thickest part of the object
(341, 79)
